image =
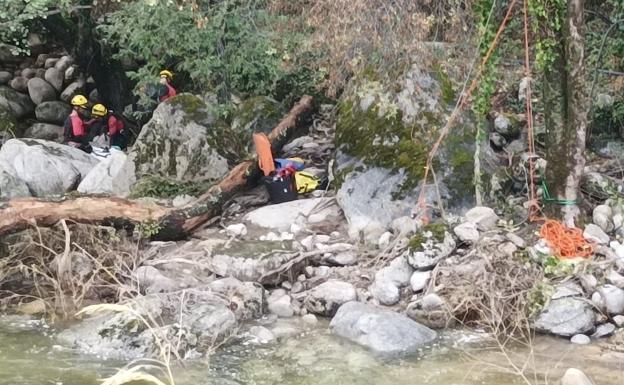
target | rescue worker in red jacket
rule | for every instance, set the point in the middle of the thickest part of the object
(167, 91)
(107, 122)
(75, 128)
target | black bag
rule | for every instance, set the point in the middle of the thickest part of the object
(281, 188)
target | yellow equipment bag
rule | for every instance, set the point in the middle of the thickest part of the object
(306, 182)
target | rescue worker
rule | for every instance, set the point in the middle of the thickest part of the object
(75, 127)
(167, 91)
(107, 122)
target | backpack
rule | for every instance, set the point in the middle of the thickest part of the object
(306, 182)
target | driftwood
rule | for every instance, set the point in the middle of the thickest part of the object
(172, 224)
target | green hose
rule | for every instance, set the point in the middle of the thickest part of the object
(548, 199)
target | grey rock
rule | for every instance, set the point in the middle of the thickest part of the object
(432, 302)
(205, 315)
(40, 91)
(50, 62)
(589, 282)
(326, 298)
(262, 334)
(150, 280)
(70, 73)
(29, 73)
(112, 176)
(63, 63)
(575, 377)
(19, 104)
(616, 279)
(40, 73)
(281, 216)
(45, 131)
(236, 230)
(382, 331)
(604, 330)
(72, 89)
(516, 240)
(497, 140)
(419, 280)
(467, 232)
(47, 168)
(569, 289)
(603, 217)
(182, 200)
(432, 253)
(504, 126)
(618, 320)
(55, 78)
(11, 186)
(310, 319)
(594, 233)
(41, 59)
(344, 258)
(20, 84)
(5, 77)
(55, 112)
(484, 217)
(405, 226)
(566, 317)
(184, 134)
(279, 304)
(580, 339)
(385, 292)
(613, 299)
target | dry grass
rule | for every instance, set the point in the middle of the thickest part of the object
(67, 266)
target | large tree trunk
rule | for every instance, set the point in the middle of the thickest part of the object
(566, 108)
(172, 224)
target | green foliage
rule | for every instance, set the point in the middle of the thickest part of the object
(432, 232)
(148, 229)
(547, 21)
(18, 17)
(538, 297)
(159, 187)
(224, 46)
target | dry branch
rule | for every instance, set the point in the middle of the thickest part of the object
(174, 224)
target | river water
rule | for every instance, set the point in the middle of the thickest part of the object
(29, 356)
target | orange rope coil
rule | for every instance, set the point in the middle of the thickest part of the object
(566, 242)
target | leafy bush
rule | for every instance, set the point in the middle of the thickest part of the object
(224, 46)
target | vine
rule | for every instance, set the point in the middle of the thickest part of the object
(547, 18)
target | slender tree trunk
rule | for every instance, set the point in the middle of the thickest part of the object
(566, 108)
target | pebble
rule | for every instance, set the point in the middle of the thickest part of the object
(309, 319)
(604, 330)
(619, 320)
(580, 339)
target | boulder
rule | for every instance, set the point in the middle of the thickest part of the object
(484, 217)
(54, 112)
(566, 317)
(497, 140)
(112, 176)
(72, 89)
(50, 62)
(611, 299)
(183, 141)
(45, 131)
(257, 114)
(20, 84)
(604, 330)
(326, 298)
(279, 304)
(41, 59)
(19, 104)
(40, 91)
(47, 168)
(208, 316)
(382, 331)
(575, 377)
(70, 73)
(63, 63)
(467, 232)
(603, 217)
(55, 78)
(40, 73)
(593, 233)
(10, 186)
(29, 73)
(5, 77)
(281, 216)
(261, 334)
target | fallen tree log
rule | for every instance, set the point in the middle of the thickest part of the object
(170, 224)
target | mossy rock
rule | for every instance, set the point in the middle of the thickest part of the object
(257, 114)
(8, 124)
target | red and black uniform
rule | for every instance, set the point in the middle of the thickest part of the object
(75, 132)
(167, 93)
(112, 125)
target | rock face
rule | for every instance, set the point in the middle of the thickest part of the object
(382, 331)
(281, 216)
(182, 141)
(206, 315)
(45, 131)
(19, 104)
(113, 176)
(566, 317)
(54, 112)
(40, 91)
(383, 134)
(47, 168)
(326, 298)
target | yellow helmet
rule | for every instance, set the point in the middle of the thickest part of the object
(166, 73)
(79, 101)
(99, 110)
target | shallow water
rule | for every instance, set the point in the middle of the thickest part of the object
(29, 356)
